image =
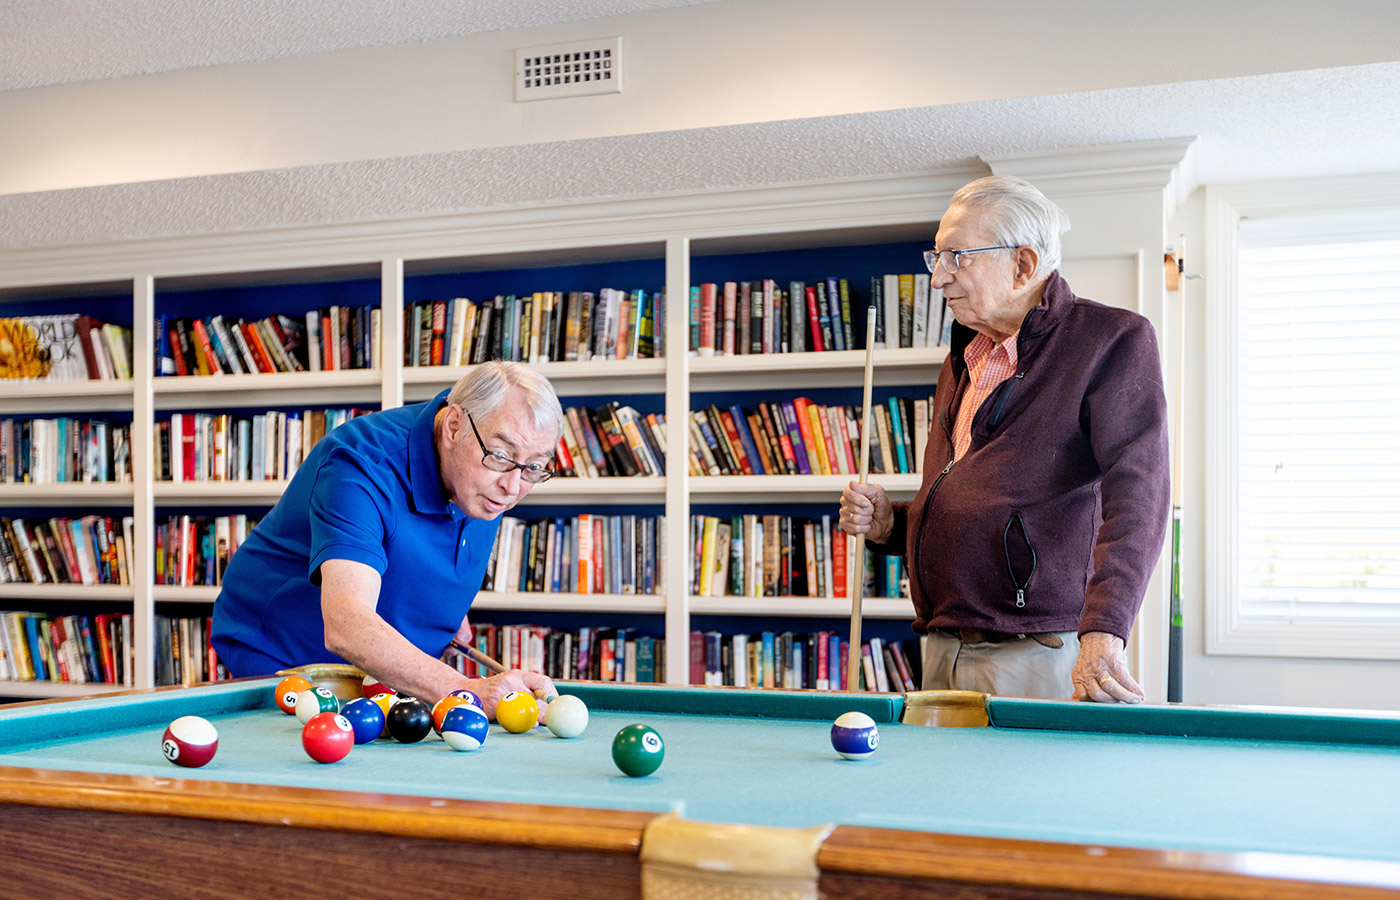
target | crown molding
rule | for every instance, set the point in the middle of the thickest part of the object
(867, 202)
(1105, 168)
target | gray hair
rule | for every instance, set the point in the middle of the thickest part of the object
(1017, 213)
(485, 386)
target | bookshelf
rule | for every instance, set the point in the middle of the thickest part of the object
(647, 243)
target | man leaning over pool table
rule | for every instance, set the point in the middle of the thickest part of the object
(378, 547)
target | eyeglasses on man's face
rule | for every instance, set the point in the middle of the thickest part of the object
(497, 461)
(951, 259)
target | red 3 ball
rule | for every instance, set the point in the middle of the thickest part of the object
(327, 737)
(189, 741)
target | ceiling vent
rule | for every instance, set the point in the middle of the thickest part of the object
(569, 70)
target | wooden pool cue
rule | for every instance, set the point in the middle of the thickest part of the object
(496, 668)
(857, 587)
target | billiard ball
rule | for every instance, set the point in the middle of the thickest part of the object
(371, 686)
(517, 712)
(566, 716)
(465, 727)
(366, 718)
(327, 737)
(287, 691)
(410, 720)
(385, 702)
(315, 701)
(468, 696)
(854, 735)
(190, 741)
(443, 707)
(638, 750)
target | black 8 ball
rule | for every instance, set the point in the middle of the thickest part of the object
(410, 720)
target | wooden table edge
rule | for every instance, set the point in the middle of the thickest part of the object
(473, 821)
(1091, 868)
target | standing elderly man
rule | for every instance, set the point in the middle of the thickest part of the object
(1045, 496)
(378, 547)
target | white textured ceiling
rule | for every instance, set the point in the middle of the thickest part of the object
(46, 42)
(1247, 128)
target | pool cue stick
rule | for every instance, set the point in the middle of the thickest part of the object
(482, 659)
(857, 587)
(1174, 637)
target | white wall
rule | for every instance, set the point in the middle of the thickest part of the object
(735, 61)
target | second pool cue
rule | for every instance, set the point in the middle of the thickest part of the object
(857, 586)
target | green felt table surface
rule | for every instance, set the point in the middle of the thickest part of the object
(1046, 770)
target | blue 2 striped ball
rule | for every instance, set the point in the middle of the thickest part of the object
(854, 735)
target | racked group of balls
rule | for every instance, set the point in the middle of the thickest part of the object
(330, 729)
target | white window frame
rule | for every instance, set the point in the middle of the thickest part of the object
(1228, 632)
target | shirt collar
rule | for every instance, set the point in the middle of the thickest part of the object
(981, 346)
(424, 473)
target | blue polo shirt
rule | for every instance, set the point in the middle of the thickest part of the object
(369, 491)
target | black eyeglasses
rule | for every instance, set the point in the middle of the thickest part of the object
(499, 462)
(952, 258)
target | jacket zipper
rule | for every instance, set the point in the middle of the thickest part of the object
(923, 518)
(1004, 394)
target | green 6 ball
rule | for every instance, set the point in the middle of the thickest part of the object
(638, 750)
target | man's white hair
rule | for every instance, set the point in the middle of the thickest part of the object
(485, 386)
(1016, 213)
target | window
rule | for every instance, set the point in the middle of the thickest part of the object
(1305, 434)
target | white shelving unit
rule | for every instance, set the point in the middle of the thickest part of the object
(667, 230)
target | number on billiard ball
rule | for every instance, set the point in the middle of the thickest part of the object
(638, 750)
(189, 741)
(854, 735)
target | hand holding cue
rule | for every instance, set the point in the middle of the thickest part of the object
(482, 659)
(858, 569)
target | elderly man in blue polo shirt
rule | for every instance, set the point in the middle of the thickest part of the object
(376, 550)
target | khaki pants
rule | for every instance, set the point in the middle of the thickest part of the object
(1021, 668)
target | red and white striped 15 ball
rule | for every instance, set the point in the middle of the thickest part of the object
(190, 741)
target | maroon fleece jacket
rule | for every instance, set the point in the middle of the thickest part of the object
(1054, 518)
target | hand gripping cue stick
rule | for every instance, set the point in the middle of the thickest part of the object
(857, 585)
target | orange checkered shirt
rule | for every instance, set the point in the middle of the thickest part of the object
(989, 365)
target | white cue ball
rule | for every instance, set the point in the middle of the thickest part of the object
(566, 716)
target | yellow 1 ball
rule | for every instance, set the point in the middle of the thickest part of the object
(517, 712)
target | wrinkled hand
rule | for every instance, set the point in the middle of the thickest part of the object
(1101, 672)
(492, 689)
(866, 509)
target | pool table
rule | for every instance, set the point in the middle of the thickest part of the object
(1048, 799)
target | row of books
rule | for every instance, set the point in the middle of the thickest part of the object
(65, 449)
(584, 554)
(64, 347)
(798, 661)
(757, 555)
(101, 649)
(594, 654)
(325, 339)
(195, 550)
(745, 317)
(611, 441)
(545, 326)
(222, 447)
(800, 437)
(86, 550)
